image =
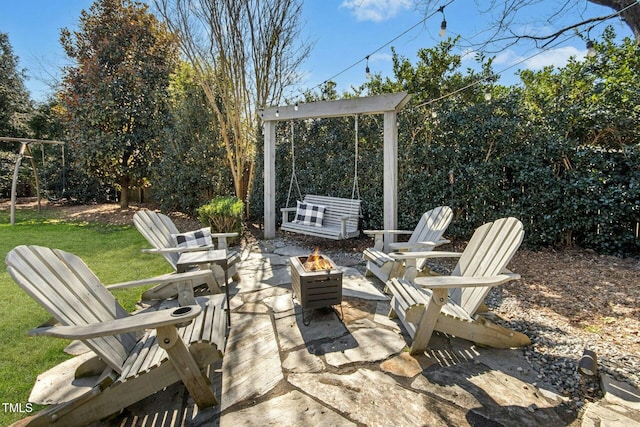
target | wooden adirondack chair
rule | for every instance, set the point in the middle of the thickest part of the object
(426, 236)
(449, 303)
(159, 230)
(176, 344)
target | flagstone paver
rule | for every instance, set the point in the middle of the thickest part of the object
(489, 393)
(292, 333)
(363, 345)
(293, 408)
(375, 399)
(302, 361)
(251, 365)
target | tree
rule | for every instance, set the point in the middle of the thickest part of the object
(116, 94)
(245, 54)
(186, 177)
(15, 104)
(502, 30)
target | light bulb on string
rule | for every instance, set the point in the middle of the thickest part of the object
(591, 51)
(487, 93)
(367, 70)
(443, 24)
(295, 107)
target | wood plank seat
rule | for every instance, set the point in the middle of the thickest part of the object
(340, 221)
(449, 303)
(136, 355)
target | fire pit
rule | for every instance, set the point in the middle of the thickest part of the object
(316, 281)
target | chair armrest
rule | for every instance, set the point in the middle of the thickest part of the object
(374, 232)
(231, 234)
(346, 217)
(166, 279)
(447, 282)
(123, 325)
(177, 250)
(399, 246)
(430, 254)
(285, 214)
(378, 236)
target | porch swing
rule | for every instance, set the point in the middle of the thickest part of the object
(329, 217)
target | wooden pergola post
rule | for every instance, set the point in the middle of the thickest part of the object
(388, 105)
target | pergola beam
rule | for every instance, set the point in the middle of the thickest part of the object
(377, 104)
(388, 104)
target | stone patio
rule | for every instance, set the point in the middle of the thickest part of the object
(353, 371)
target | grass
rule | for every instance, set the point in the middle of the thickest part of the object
(112, 252)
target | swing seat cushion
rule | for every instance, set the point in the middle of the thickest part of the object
(309, 214)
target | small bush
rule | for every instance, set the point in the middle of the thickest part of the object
(223, 214)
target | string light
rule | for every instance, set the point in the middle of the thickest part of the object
(487, 93)
(320, 85)
(295, 107)
(367, 70)
(591, 51)
(443, 24)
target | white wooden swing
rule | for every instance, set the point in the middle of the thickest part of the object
(388, 105)
(329, 217)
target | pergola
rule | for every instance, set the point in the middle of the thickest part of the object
(25, 150)
(389, 105)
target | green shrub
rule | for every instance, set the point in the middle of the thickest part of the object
(223, 214)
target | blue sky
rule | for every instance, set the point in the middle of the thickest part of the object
(344, 32)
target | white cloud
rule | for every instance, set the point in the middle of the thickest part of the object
(375, 10)
(468, 55)
(556, 57)
(381, 57)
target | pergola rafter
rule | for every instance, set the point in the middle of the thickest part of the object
(388, 105)
(25, 150)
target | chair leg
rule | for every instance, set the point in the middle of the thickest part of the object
(428, 321)
(188, 370)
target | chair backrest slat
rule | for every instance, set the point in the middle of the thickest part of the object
(64, 285)
(157, 228)
(487, 254)
(431, 228)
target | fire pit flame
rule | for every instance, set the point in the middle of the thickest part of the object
(316, 262)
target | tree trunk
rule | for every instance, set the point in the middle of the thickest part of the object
(124, 193)
(631, 16)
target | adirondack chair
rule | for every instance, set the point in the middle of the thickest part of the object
(159, 230)
(449, 303)
(176, 344)
(426, 236)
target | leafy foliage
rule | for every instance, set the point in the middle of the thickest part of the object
(116, 96)
(191, 169)
(223, 214)
(15, 105)
(561, 153)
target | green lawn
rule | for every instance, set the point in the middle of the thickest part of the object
(112, 252)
